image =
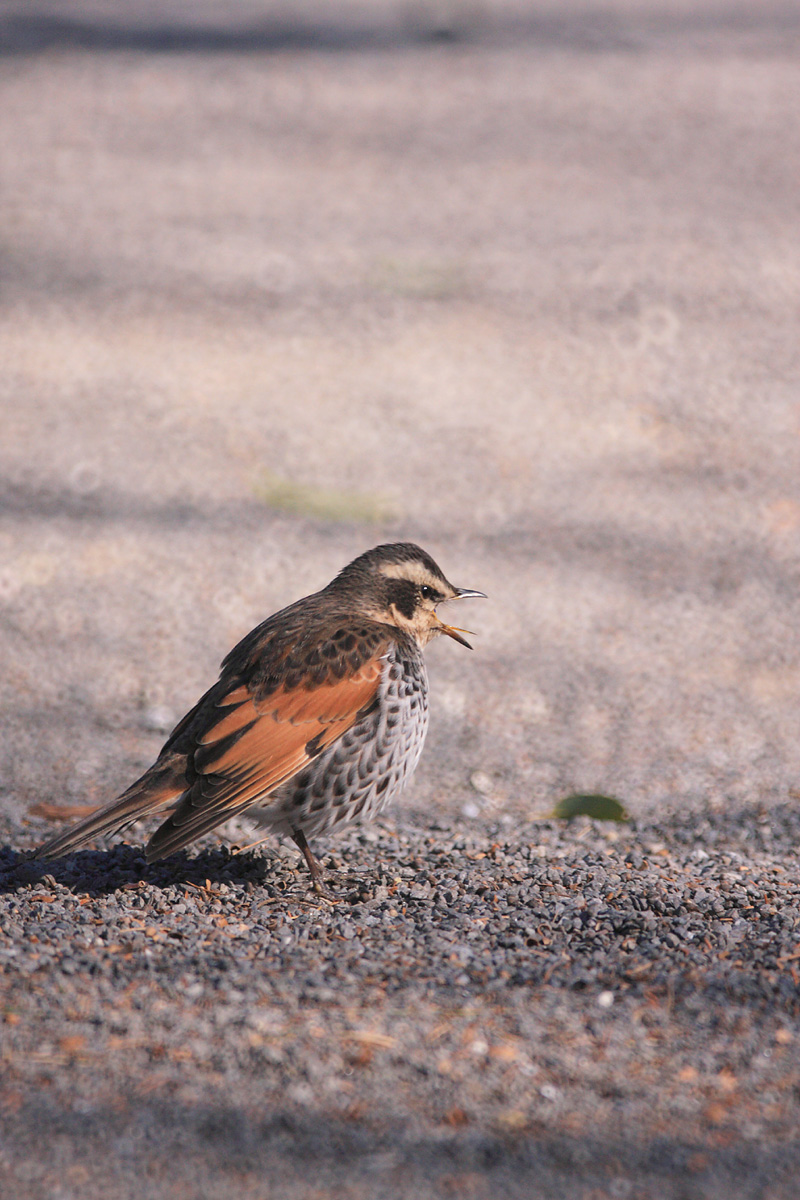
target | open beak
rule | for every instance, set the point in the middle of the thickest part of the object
(453, 631)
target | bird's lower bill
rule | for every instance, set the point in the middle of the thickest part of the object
(454, 632)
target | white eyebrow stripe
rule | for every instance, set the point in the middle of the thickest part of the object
(415, 572)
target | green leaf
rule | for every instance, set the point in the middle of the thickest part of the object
(581, 804)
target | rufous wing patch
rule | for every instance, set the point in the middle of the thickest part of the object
(255, 746)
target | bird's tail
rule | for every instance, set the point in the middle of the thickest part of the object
(159, 788)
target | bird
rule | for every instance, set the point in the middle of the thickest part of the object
(318, 717)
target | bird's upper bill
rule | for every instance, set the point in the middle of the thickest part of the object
(452, 630)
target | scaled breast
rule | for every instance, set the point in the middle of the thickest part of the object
(356, 777)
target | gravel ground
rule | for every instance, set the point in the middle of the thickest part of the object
(517, 282)
(609, 1009)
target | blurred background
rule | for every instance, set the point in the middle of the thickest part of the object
(517, 281)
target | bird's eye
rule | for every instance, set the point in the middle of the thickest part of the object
(426, 592)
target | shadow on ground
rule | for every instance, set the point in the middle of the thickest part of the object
(585, 29)
(226, 1148)
(101, 872)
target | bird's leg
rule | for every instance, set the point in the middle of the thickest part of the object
(313, 865)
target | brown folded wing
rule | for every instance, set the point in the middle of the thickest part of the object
(252, 746)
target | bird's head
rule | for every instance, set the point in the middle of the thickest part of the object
(399, 584)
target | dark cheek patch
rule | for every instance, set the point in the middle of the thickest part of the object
(403, 595)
